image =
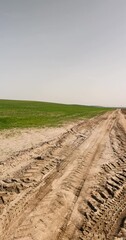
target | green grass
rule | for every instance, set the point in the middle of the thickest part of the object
(23, 114)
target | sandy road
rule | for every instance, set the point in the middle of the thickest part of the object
(72, 186)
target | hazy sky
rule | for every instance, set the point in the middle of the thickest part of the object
(70, 51)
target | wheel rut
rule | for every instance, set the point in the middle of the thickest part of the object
(71, 187)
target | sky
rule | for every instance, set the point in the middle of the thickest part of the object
(66, 51)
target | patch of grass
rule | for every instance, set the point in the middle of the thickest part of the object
(23, 114)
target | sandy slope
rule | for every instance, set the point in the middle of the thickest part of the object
(65, 183)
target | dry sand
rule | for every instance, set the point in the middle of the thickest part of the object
(64, 183)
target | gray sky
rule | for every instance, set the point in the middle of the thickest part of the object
(70, 51)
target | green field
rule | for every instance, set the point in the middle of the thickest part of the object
(23, 114)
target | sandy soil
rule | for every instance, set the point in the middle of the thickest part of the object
(65, 183)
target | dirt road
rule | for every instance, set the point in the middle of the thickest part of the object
(71, 185)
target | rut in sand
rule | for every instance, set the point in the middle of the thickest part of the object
(74, 188)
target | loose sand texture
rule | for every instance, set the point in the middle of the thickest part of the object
(66, 183)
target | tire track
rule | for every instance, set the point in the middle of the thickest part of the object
(21, 188)
(72, 187)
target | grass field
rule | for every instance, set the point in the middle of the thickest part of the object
(22, 114)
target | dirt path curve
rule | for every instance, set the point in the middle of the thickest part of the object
(71, 186)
